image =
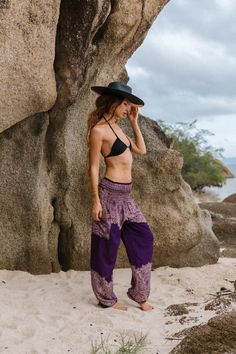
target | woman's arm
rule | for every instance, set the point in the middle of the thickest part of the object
(95, 143)
(139, 146)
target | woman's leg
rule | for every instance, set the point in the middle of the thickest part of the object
(138, 240)
(102, 261)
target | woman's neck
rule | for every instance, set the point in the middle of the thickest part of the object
(113, 120)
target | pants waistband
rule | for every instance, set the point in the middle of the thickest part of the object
(120, 187)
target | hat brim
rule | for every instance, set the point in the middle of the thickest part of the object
(101, 90)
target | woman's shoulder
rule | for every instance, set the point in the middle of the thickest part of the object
(98, 129)
(100, 126)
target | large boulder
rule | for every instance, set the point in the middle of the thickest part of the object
(25, 200)
(27, 52)
(184, 235)
(230, 199)
(226, 171)
(218, 336)
(224, 221)
(45, 200)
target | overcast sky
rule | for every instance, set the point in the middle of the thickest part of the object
(186, 68)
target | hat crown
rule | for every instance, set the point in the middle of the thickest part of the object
(120, 86)
(120, 89)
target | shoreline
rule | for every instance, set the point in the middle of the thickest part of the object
(206, 197)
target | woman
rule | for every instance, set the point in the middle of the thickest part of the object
(115, 214)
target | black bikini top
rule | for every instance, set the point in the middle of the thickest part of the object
(118, 146)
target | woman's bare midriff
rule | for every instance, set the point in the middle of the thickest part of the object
(118, 168)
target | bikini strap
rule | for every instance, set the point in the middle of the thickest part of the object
(110, 126)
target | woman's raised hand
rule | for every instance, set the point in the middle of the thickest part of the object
(133, 114)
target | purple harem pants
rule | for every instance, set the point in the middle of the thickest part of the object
(121, 219)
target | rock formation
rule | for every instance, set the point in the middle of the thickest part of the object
(230, 199)
(216, 337)
(27, 52)
(226, 171)
(224, 221)
(45, 202)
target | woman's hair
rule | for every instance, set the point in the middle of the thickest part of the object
(104, 104)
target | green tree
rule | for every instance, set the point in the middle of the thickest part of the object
(201, 166)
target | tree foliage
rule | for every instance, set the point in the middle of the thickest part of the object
(201, 165)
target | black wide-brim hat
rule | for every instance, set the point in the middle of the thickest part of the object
(118, 89)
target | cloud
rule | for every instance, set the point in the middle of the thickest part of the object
(186, 68)
(226, 125)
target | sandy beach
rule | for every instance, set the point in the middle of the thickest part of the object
(58, 313)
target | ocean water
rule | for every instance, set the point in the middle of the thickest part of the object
(228, 188)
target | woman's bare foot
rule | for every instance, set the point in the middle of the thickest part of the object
(119, 307)
(145, 306)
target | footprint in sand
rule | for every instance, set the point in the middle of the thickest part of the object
(27, 332)
(11, 326)
(99, 321)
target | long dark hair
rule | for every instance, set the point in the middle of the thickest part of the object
(104, 104)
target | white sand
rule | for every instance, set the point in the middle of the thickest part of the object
(58, 313)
